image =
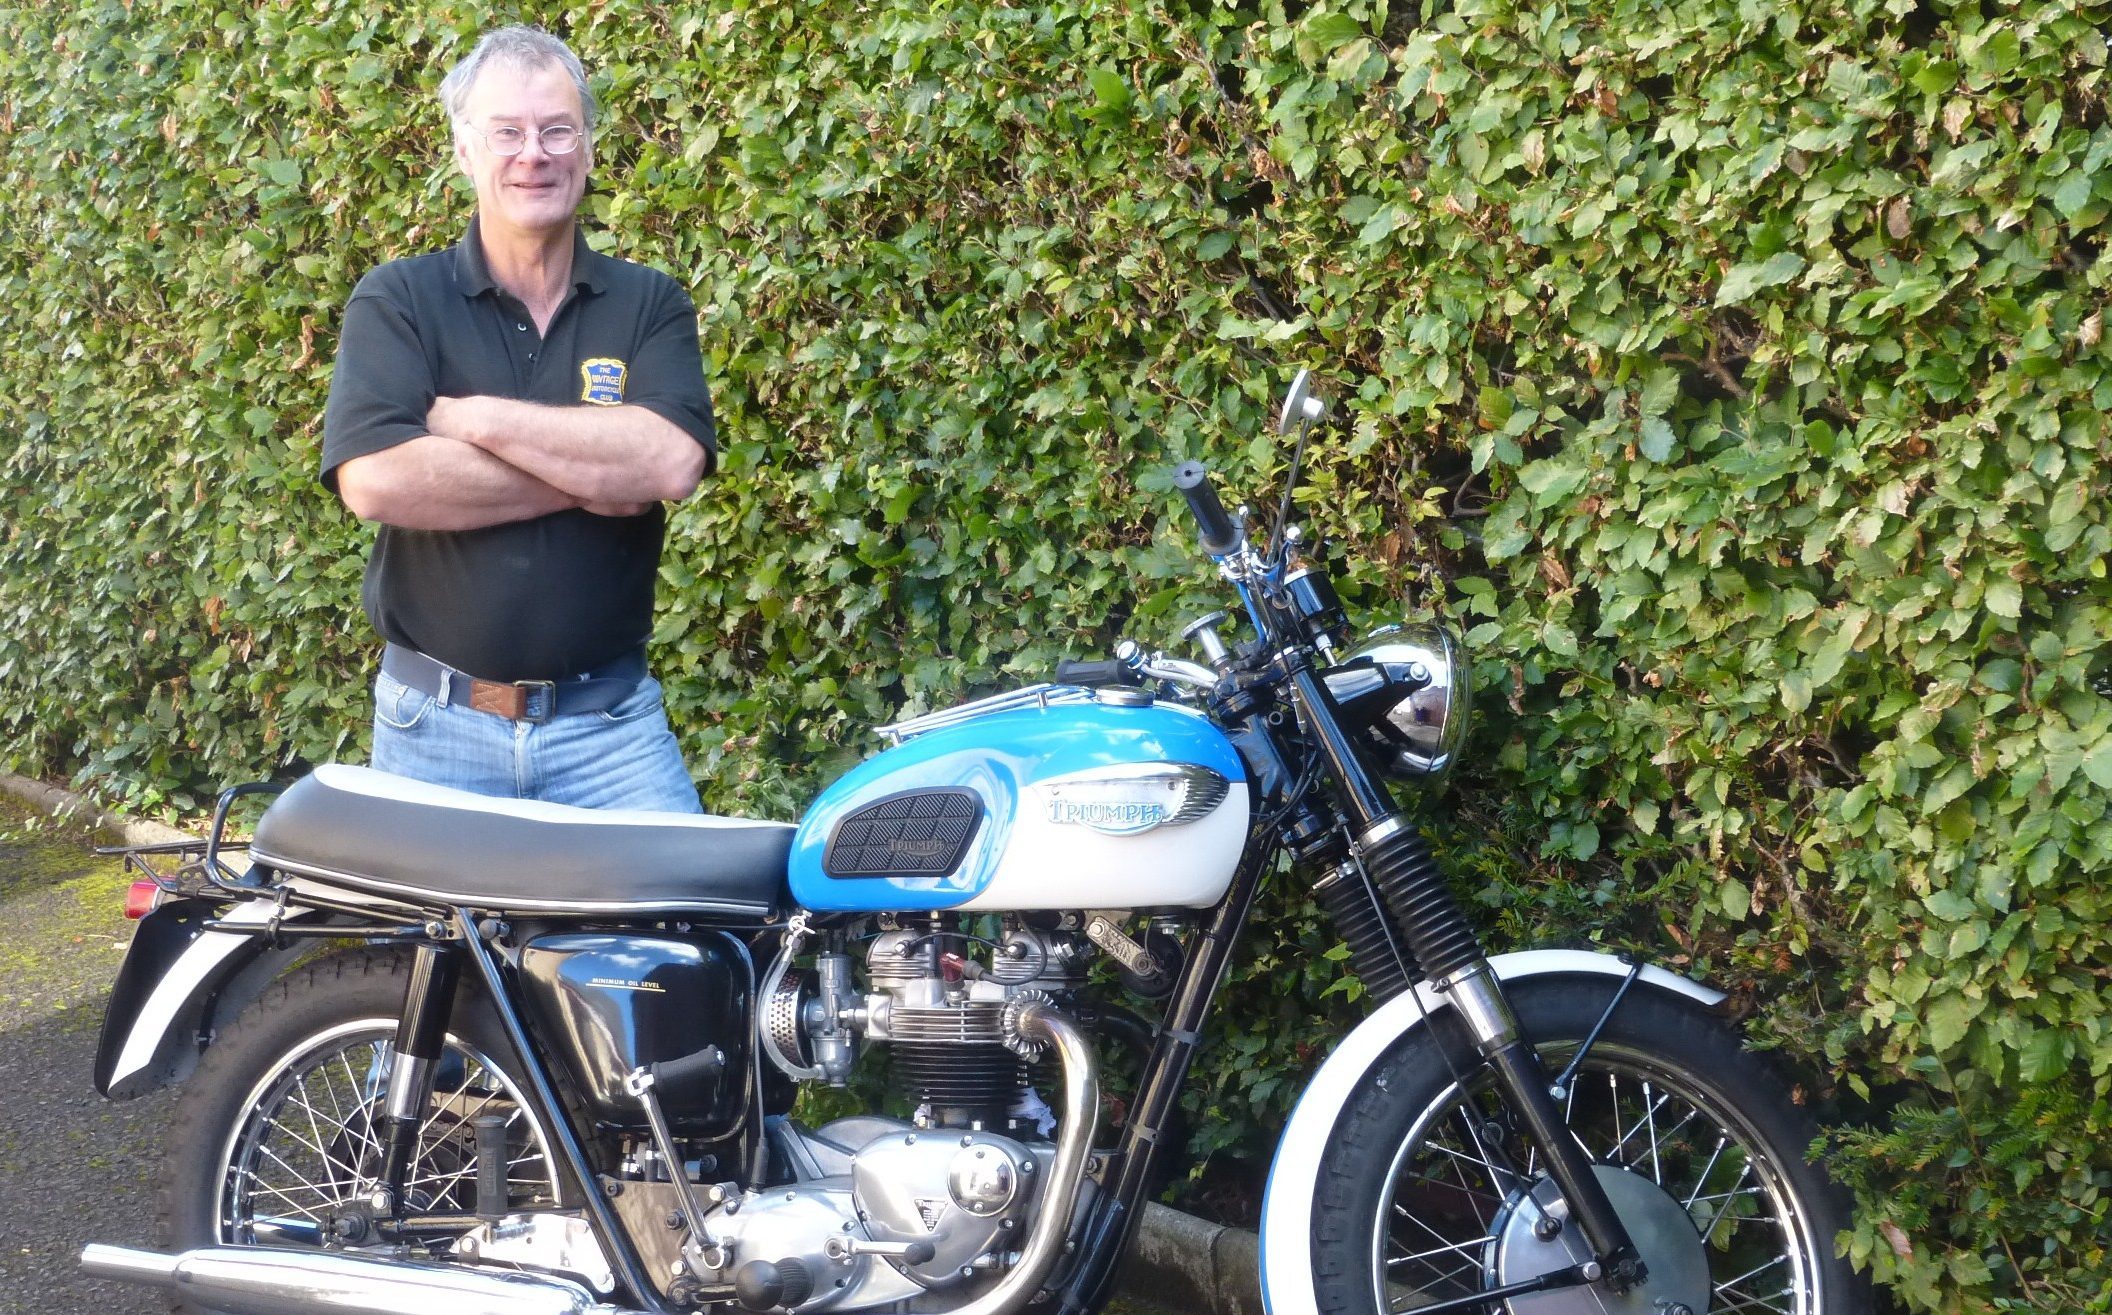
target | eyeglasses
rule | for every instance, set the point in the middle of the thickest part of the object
(557, 139)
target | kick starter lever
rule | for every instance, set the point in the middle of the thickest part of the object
(639, 1084)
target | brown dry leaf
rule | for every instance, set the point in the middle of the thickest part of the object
(1955, 116)
(2091, 330)
(1897, 1236)
(1898, 219)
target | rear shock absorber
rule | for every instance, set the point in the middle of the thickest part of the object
(1424, 914)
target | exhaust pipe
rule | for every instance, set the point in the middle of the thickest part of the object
(1042, 1023)
(243, 1280)
(283, 1281)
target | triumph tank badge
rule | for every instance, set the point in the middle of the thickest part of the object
(1130, 800)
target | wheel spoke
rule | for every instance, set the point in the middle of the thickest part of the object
(1729, 1299)
(1427, 1227)
(1706, 1170)
(315, 1130)
(1729, 1197)
(365, 1130)
(1730, 1285)
(1664, 1126)
(1644, 1122)
(302, 1181)
(1462, 1248)
(311, 1142)
(316, 1141)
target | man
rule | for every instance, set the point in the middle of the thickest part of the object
(513, 412)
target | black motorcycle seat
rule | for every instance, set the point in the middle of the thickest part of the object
(428, 844)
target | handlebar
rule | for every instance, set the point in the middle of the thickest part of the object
(1108, 671)
(1220, 536)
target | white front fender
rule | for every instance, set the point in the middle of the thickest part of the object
(1287, 1208)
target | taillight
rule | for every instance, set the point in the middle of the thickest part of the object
(143, 898)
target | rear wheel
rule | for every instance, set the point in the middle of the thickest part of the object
(277, 1138)
(1429, 1192)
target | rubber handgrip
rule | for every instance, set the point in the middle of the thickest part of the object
(1220, 535)
(919, 1253)
(1105, 671)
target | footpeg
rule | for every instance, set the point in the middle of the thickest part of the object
(491, 1167)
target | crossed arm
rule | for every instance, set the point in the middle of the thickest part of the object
(490, 460)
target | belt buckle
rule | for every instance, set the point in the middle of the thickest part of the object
(527, 689)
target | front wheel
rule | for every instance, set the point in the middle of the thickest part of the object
(277, 1139)
(1429, 1191)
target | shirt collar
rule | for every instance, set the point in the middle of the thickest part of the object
(473, 275)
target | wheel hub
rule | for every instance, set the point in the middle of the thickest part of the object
(1535, 1235)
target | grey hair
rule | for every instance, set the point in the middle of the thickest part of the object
(516, 47)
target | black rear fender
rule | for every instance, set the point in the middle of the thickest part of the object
(179, 982)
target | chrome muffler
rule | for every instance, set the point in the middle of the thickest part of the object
(246, 1280)
(282, 1281)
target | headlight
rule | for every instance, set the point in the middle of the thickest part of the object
(1405, 693)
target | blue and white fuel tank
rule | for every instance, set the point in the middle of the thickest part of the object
(1046, 798)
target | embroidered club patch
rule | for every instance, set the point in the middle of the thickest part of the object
(601, 381)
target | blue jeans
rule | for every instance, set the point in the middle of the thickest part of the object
(625, 757)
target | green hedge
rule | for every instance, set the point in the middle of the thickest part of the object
(1735, 373)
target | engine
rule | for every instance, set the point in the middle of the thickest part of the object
(884, 1210)
(946, 1005)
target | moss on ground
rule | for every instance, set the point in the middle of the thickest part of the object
(62, 923)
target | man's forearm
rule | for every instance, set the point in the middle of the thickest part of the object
(623, 454)
(442, 483)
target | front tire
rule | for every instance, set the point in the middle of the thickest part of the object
(277, 1133)
(1429, 1192)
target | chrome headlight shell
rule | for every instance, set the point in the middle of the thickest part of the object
(1405, 692)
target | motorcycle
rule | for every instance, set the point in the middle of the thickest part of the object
(449, 1053)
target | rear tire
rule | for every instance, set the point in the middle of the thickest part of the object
(1423, 1189)
(277, 1128)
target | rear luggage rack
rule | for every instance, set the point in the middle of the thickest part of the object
(200, 868)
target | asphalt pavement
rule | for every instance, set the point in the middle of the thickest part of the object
(74, 1168)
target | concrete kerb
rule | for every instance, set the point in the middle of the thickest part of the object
(1190, 1265)
(1178, 1261)
(66, 804)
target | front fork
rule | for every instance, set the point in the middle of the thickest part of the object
(1475, 993)
(1404, 879)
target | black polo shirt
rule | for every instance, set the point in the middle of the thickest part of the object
(535, 599)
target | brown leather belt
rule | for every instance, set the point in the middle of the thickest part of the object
(518, 700)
